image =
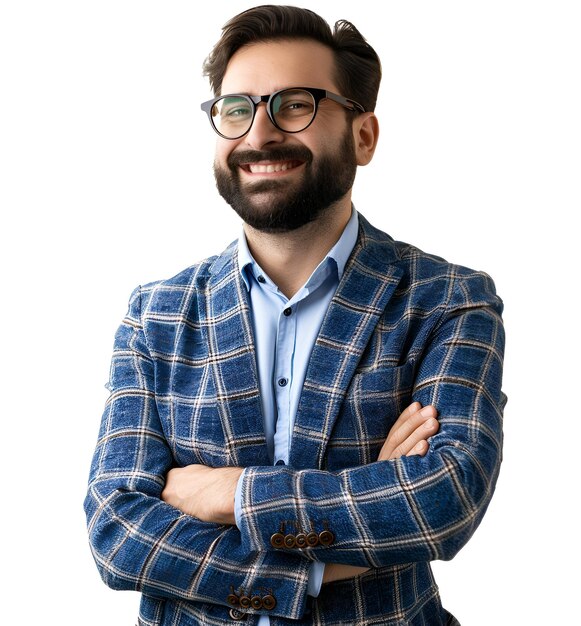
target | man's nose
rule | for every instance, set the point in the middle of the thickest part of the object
(263, 131)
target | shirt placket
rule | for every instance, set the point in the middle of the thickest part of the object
(283, 380)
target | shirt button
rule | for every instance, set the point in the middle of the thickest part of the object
(288, 311)
(282, 382)
(280, 462)
(261, 279)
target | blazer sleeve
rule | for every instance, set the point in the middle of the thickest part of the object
(410, 509)
(141, 543)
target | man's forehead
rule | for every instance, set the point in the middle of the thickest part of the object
(267, 66)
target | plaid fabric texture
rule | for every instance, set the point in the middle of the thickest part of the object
(402, 326)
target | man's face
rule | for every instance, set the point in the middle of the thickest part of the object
(274, 180)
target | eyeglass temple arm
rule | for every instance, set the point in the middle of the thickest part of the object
(346, 102)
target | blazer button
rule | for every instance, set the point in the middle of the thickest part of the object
(289, 541)
(232, 599)
(301, 540)
(237, 615)
(312, 539)
(256, 602)
(326, 537)
(268, 602)
(277, 540)
(245, 602)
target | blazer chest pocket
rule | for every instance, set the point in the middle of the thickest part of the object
(375, 399)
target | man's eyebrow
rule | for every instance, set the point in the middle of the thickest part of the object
(232, 98)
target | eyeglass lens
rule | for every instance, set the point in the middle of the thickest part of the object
(292, 110)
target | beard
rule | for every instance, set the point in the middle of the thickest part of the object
(288, 207)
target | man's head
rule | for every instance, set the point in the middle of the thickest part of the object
(277, 180)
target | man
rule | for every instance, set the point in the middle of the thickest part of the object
(251, 464)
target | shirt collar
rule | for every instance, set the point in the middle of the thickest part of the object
(339, 253)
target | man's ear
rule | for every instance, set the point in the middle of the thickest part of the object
(365, 136)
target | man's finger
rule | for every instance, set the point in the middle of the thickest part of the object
(417, 442)
(414, 425)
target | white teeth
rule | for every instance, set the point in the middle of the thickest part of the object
(257, 168)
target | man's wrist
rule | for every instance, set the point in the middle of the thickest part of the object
(226, 486)
(238, 499)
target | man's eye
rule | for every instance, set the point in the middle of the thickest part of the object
(295, 108)
(236, 112)
(297, 105)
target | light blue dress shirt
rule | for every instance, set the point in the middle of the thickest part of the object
(284, 334)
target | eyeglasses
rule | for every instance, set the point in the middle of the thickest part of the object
(290, 110)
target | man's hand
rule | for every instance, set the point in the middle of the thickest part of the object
(203, 492)
(407, 437)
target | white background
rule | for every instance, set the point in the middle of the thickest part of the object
(106, 182)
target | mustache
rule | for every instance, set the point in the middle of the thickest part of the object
(286, 153)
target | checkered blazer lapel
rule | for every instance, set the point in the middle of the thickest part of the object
(370, 279)
(225, 316)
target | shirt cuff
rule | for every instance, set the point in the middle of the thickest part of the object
(315, 578)
(238, 500)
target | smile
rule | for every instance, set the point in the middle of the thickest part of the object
(270, 167)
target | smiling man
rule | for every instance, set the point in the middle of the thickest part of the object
(275, 184)
(264, 456)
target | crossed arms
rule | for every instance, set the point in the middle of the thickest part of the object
(415, 508)
(208, 493)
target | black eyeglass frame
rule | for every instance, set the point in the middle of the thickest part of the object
(254, 101)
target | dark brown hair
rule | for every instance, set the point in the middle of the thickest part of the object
(358, 69)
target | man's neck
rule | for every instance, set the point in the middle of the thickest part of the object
(289, 258)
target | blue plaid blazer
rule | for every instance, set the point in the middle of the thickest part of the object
(402, 326)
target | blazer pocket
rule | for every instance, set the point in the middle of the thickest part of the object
(375, 399)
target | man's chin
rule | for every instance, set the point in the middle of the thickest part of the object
(269, 213)
(265, 197)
